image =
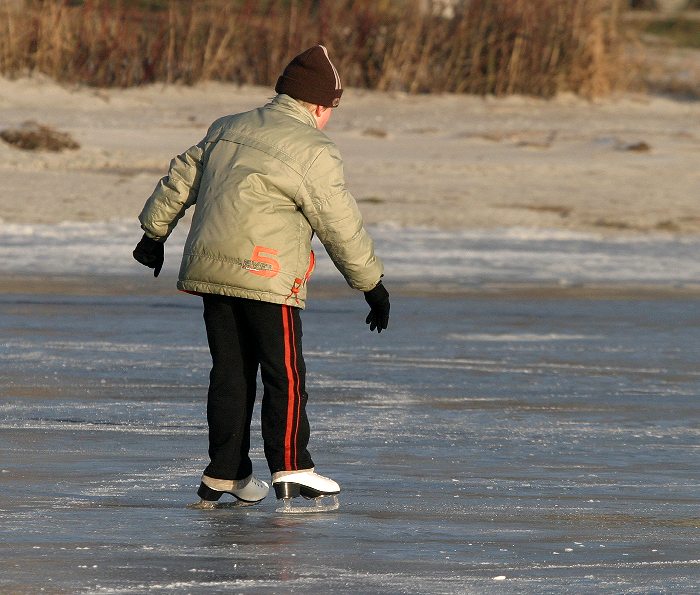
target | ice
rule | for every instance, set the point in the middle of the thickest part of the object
(209, 505)
(476, 437)
(517, 337)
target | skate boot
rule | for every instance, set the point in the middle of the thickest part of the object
(289, 485)
(247, 491)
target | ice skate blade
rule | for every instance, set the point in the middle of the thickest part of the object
(209, 505)
(313, 505)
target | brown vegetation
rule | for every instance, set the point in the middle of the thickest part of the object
(535, 47)
(32, 136)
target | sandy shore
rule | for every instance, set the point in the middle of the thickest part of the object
(623, 165)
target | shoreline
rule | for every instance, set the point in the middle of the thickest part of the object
(146, 286)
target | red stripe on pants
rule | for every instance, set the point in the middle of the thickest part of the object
(293, 400)
(297, 393)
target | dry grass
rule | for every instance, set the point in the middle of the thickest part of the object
(32, 136)
(536, 47)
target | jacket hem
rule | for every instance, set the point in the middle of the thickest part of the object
(199, 287)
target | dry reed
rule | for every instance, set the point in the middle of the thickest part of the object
(535, 47)
(32, 136)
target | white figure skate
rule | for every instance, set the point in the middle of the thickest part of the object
(289, 485)
(247, 492)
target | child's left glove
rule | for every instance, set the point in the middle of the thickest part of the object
(150, 253)
(378, 300)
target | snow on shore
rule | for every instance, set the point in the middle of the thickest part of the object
(465, 259)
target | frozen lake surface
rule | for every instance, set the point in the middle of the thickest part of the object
(506, 442)
(553, 442)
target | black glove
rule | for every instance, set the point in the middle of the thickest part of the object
(150, 253)
(378, 300)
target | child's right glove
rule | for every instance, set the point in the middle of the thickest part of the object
(150, 253)
(378, 300)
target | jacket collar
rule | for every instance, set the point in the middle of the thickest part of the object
(284, 103)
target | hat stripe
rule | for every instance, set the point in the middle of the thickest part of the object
(335, 72)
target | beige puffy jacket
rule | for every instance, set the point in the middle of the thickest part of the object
(263, 182)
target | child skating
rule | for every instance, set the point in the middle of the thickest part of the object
(262, 183)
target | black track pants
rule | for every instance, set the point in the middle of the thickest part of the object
(244, 335)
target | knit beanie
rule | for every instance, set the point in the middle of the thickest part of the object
(311, 77)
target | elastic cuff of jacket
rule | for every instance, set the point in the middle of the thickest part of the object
(150, 236)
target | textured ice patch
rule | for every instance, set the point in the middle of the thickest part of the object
(523, 337)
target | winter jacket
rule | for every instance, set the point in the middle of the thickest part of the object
(263, 182)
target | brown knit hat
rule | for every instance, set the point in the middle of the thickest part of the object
(312, 77)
